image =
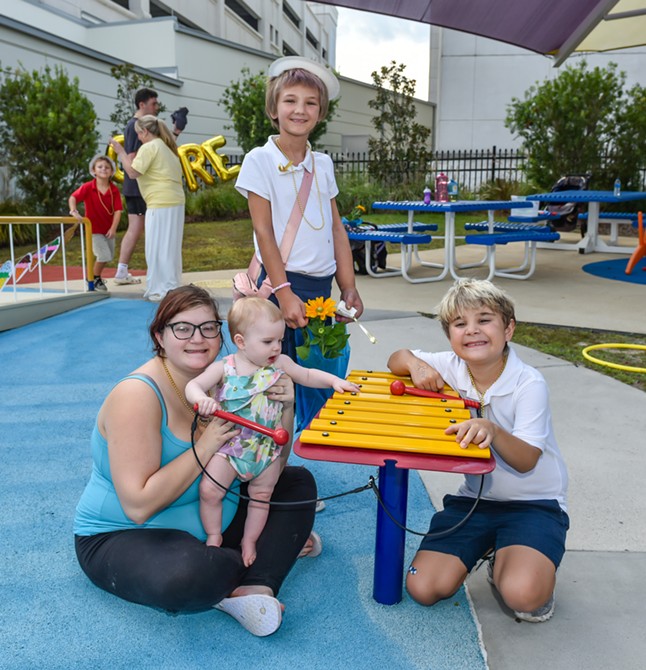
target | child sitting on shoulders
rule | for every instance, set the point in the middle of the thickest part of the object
(239, 382)
(521, 515)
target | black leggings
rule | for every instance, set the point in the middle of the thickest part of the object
(172, 570)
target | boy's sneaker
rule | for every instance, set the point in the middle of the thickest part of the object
(127, 279)
(539, 615)
(490, 562)
(99, 285)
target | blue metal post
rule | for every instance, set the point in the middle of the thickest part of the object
(390, 539)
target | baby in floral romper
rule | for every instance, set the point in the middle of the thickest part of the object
(239, 383)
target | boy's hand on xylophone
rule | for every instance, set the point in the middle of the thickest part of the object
(425, 377)
(342, 385)
(476, 431)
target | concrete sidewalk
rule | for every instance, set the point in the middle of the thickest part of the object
(599, 425)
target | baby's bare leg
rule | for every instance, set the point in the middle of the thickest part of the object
(260, 488)
(211, 496)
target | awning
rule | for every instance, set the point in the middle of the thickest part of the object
(551, 27)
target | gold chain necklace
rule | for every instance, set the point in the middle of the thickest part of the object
(180, 395)
(298, 200)
(482, 395)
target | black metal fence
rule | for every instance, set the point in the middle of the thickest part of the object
(470, 168)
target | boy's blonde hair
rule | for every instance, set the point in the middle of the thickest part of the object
(471, 294)
(294, 77)
(246, 311)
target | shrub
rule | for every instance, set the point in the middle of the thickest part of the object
(216, 203)
(47, 135)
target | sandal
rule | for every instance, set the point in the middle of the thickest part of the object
(315, 548)
(260, 614)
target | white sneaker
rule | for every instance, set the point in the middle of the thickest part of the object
(538, 615)
(260, 614)
(128, 279)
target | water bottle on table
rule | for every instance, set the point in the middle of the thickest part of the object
(617, 190)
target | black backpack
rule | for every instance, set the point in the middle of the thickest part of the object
(378, 251)
(568, 212)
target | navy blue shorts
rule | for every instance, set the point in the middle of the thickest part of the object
(539, 524)
(135, 204)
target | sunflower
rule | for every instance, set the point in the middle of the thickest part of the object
(320, 308)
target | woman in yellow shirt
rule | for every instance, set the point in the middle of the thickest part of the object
(158, 172)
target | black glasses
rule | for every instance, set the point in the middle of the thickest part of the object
(184, 331)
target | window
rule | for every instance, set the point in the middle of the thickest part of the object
(243, 12)
(291, 15)
(311, 39)
(122, 3)
(288, 51)
(159, 10)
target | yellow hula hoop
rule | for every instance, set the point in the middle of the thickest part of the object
(613, 345)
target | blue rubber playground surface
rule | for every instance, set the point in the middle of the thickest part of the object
(55, 374)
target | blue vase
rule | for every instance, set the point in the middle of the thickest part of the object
(308, 400)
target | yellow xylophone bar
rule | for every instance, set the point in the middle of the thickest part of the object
(441, 447)
(398, 405)
(438, 420)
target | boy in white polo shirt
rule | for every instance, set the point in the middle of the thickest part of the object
(521, 515)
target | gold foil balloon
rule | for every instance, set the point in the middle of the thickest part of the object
(193, 158)
(111, 153)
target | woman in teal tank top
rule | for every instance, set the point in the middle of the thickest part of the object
(137, 527)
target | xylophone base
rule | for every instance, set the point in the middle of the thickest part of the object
(393, 489)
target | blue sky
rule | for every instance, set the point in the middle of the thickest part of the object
(367, 41)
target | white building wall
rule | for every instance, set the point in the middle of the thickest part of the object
(188, 69)
(477, 79)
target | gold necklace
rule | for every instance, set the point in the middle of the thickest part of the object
(180, 395)
(284, 168)
(477, 390)
(111, 200)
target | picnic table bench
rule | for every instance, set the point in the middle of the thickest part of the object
(506, 233)
(406, 239)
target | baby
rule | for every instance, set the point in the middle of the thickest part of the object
(240, 382)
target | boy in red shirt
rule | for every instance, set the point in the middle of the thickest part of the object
(103, 207)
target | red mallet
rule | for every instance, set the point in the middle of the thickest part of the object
(398, 388)
(280, 436)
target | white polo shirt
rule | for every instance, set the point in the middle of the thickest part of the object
(518, 402)
(313, 250)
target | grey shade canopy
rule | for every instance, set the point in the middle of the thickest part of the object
(551, 27)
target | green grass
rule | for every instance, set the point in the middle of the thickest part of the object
(567, 343)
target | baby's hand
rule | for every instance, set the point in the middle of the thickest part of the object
(342, 385)
(207, 406)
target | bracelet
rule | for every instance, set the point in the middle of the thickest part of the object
(285, 285)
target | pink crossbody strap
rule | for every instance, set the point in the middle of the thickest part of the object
(294, 222)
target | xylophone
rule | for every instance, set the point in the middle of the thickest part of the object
(376, 418)
(397, 433)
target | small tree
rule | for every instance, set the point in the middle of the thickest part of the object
(583, 121)
(244, 102)
(47, 134)
(128, 83)
(400, 152)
